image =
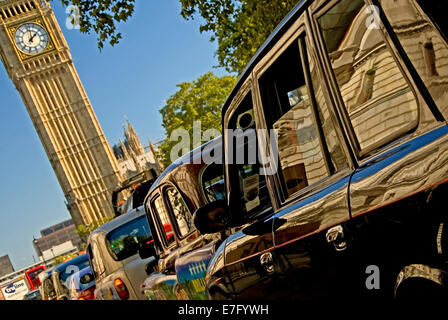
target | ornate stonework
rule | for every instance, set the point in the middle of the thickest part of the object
(41, 67)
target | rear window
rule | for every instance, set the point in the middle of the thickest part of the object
(426, 48)
(72, 268)
(125, 240)
(213, 182)
(81, 281)
(378, 99)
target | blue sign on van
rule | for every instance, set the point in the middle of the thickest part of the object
(13, 287)
(10, 288)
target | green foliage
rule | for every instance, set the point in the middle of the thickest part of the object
(200, 100)
(101, 16)
(61, 259)
(58, 260)
(239, 26)
(85, 230)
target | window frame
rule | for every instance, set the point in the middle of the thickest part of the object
(414, 76)
(94, 258)
(363, 156)
(171, 215)
(155, 216)
(108, 244)
(245, 89)
(299, 33)
(201, 180)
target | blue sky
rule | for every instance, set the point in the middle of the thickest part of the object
(159, 49)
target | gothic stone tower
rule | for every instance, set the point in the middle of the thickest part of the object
(37, 59)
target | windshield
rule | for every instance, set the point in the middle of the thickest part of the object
(35, 295)
(125, 240)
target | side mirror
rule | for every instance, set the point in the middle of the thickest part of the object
(149, 268)
(213, 217)
(147, 249)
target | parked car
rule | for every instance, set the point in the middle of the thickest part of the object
(113, 252)
(33, 295)
(46, 288)
(81, 285)
(349, 199)
(181, 253)
(62, 271)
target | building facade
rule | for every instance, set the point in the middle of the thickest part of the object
(5, 266)
(133, 158)
(56, 235)
(37, 59)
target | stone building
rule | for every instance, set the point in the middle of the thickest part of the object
(56, 235)
(38, 61)
(133, 158)
(5, 266)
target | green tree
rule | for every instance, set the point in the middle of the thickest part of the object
(102, 16)
(199, 100)
(239, 26)
(85, 230)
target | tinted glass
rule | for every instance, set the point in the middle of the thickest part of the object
(46, 232)
(327, 119)
(436, 10)
(378, 99)
(181, 213)
(164, 223)
(95, 258)
(213, 182)
(81, 281)
(35, 273)
(244, 167)
(423, 43)
(72, 268)
(35, 295)
(288, 108)
(125, 240)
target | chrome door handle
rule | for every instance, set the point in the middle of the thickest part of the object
(336, 236)
(267, 261)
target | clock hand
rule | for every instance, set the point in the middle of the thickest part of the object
(31, 39)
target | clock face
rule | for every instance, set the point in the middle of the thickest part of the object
(31, 38)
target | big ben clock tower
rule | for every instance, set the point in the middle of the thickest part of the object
(37, 59)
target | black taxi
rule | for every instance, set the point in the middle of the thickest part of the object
(336, 157)
(180, 253)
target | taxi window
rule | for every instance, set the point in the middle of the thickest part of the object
(287, 104)
(163, 221)
(378, 99)
(426, 48)
(213, 182)
(243, 162)
(181, 213)
(125, 240)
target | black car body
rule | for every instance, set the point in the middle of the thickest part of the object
(182, 253)
(351, 199)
